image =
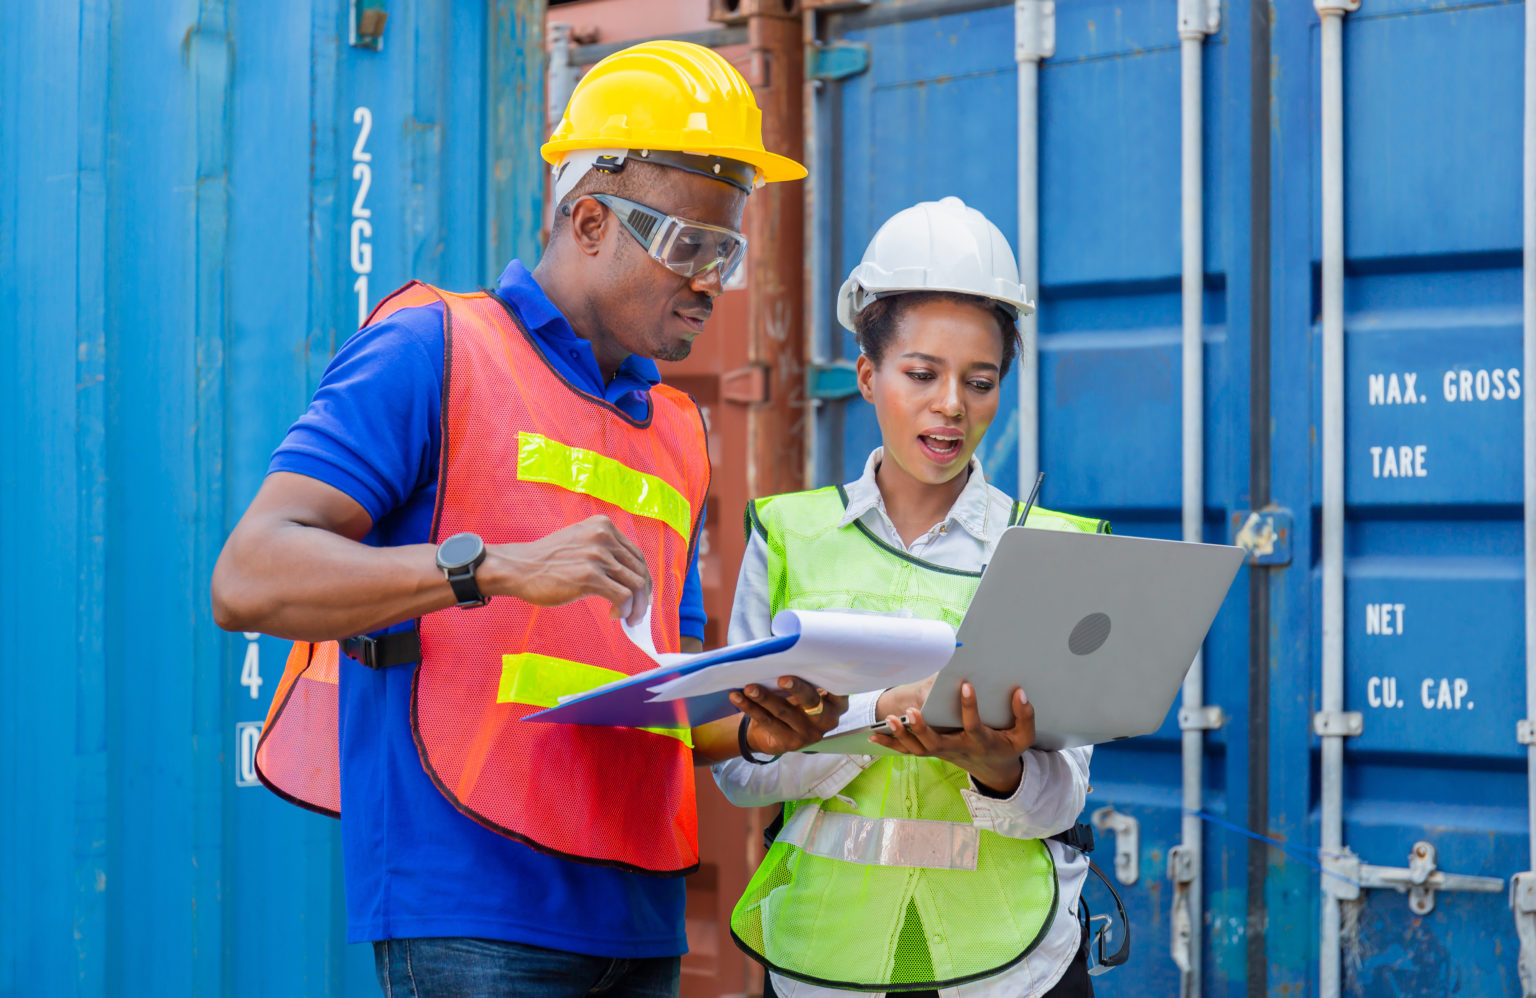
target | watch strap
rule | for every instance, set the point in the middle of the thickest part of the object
(465, 589)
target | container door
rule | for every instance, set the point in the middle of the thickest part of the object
(1433, 634)
(730, 838)
(354, 168)
(209, 197)
(935, 113)
(718, 377)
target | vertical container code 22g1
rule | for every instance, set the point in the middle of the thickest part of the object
(361, 255)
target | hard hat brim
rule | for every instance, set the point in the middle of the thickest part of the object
(853, 289)
(774, 168)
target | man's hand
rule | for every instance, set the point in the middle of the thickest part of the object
(294, 567)
(590, 558)
(780, 720)
(991, 755)
(789, 718)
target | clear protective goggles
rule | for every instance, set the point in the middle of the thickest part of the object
(685, 247)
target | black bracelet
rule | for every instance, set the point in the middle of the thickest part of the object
(746, 750)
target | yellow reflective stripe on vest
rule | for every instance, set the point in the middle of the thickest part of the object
(910, 842)
(541, 680)
(576, 469)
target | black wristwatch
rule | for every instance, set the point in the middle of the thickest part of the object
(458, 557)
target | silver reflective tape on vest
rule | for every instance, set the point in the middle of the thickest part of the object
(911, 842)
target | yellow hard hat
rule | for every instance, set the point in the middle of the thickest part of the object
(668, 96)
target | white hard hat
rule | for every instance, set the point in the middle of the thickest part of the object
(935, 246)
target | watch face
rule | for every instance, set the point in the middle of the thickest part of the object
(459, 550)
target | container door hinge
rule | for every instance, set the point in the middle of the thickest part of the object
(1034, 30)
(1522, 898)
(1182, 861)
(832, 382)
(561, 75)
(836, 61)
(1198, 18)
(368, 18)
(1525, 732)
(1265, 534)
(1421, 879)
(1338, 723)
(1201, 718)
(1341, 880)
(1127, 832)
(745, 385)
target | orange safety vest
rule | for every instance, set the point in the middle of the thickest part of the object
(523, 454)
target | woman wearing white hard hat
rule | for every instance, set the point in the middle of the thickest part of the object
(934, 869)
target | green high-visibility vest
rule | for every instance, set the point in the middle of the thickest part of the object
(888, 886)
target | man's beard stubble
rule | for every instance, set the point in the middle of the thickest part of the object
(675, 351)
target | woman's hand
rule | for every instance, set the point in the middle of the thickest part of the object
(993, 756)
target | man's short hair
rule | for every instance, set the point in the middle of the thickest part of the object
(637, 182)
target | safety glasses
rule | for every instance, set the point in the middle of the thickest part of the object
(685, 247)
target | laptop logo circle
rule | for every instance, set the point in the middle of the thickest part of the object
(1089, 635)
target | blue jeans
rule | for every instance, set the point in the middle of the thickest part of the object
(486, 968)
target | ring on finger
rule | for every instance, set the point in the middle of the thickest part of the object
(819, 708)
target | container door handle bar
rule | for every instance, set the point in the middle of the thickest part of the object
(1197, 20)
(1331, 819)
(1523, 893)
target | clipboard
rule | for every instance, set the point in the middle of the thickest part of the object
(629, 702)
(838, 650)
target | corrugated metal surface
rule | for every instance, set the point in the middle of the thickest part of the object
(1109, 333)
(730, 838)
(1433, 625)
(1432, 572)
(180, 251)
(179, 189)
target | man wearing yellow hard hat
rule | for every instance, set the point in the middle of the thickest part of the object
(482, 484)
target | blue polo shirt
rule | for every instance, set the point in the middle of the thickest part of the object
(414, 865)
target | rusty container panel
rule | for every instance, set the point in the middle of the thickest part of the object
(717, 376)
(747, 375)
(732, 375)
(777, 420)
(728, 388)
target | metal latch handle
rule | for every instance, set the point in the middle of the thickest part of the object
(1127, 832)
(1421, 878)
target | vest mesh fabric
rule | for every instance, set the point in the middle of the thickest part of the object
(524, 454)
(298, 757)
(887, 927)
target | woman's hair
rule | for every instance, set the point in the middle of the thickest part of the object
(876, 324)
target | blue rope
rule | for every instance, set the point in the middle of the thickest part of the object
(1302, 854)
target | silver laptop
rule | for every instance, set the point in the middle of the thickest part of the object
(1099, 631)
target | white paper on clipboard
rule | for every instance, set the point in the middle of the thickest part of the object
(840, 652)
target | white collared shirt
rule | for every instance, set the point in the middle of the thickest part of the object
(1050, 794)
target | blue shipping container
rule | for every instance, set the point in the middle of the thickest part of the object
(196, 201)
(1433, 626)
